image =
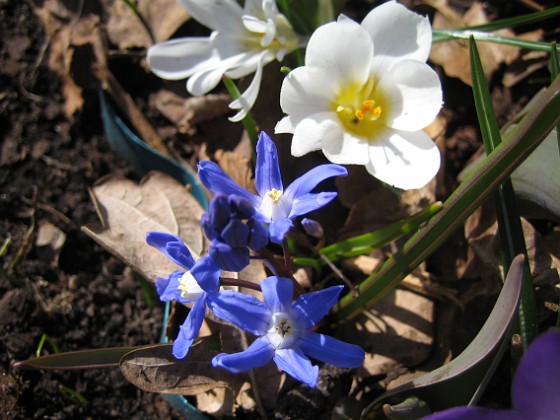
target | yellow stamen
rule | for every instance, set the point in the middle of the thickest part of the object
(274, 195)
(368, 111)
(284, 327)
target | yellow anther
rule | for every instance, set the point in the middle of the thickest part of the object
(368, 111)
(284, 327)
(274, 195)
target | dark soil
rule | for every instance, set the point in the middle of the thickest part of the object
(80, 296)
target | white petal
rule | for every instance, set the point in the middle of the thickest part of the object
(398, 33)
(342, 48)
(203, 82)
(306, 91)
(254, 24)
(345, 149)
(222, 15)
(403, 159)
(285, 125)
(180, 58)
(311, 132)
(413, 92)
(247, 99)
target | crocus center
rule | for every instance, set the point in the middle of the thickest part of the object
(282, 331)
(189, 287)
(274, 205)
(359, 108)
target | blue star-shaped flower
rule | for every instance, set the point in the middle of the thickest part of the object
(198, 284)
(276, 205)
(284, 332)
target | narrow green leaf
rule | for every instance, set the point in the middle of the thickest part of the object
(440, 35)
(364, 243)
(84, 359)
(455, 383)
(509, 222)
(517, 145)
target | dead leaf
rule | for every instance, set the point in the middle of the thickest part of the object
(238, 167)
(155, 369)
(128, 211)
(453, 55)
(163, 16)
(187, 113)
(398, 330)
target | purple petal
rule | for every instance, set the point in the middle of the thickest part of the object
(245, 311)
(219, 211)
(228, 258)
(474, 413)
(278, 229)
(267, 170)
(256, 355)
(217, 181)
(191, 326)
(310, 202)
(305, 183)
(259, 235)
(236, 233)
(207, 274)
(168, 288)
(535, 386)
(330, 350)
(312, 307)
(297, 365)
(182, 344)
(172, 246)
(278, 293)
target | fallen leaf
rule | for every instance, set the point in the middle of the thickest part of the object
(128, 211)
(453, 55)
(164, 16)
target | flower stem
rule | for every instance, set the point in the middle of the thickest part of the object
(230, 281)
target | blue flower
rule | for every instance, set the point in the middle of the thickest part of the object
(276, 205)
(283, 332)
(534, 392)
(198, 284)
(232, 226)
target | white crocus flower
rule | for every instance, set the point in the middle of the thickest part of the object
(242, 42)
(364, 95)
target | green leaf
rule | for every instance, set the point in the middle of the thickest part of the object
(84, 359)
(517, 145)
(458, 381)
(440, 35)
(143, 157)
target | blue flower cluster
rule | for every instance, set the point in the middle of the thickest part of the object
(237, 221)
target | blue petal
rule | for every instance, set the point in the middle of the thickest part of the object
(330, 350)
(256, 355)
(168, 288)
(228, 258)
(310, 202)
(536, 378)
(219, 211)
(305, 183)
(172, 246)
(267, 169)
(182, 344)
(191, 326)
(278, 229)
(217, 181)
(310, 308)
(207, 274)
(245, 311)
(236, 233)
(242, 207)
(278, 293)
(258, 237)
(209, 229)
(475, 413)
(295, 364)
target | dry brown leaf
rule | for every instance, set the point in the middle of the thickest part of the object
(126, 30)
(187, 113)
(128, 211)
(398, 330)
(453, 55)
(163, 16)
(238, 167)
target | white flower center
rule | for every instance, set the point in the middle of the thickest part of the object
(274, 205)
(282, 332)
(189, 287)
(358, 110)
